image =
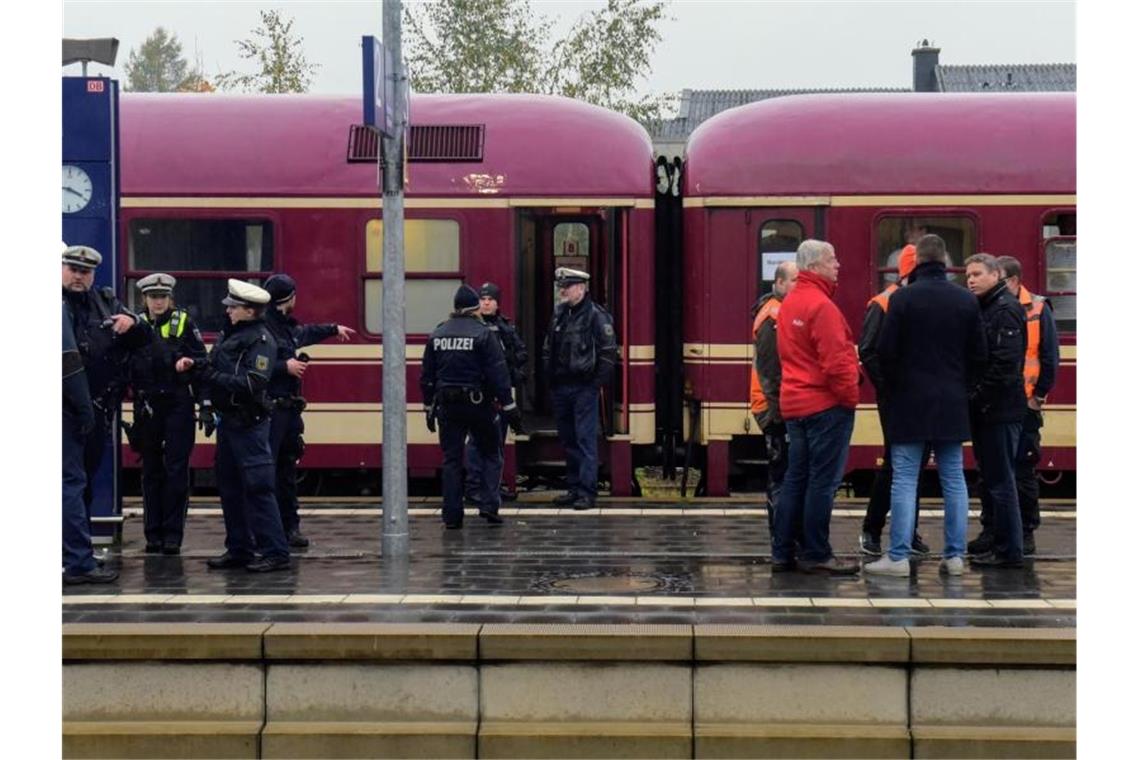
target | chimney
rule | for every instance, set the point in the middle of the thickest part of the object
(925, 61)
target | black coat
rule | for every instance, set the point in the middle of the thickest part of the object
(932, 349)
(999, 395)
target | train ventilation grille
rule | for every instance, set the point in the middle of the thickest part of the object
(436, 142)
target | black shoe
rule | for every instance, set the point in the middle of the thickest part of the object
(453, 525)
(565, 499)
(153, 549)
(983, 544)
(990, 559)
(98, 575)
(918, 547)
(171, 550)
(492, 518)
(870, 545)
(227, 560)
(582, 502)
(831, 566)
(1028, 545)
(297, 540)
(269, 564)
(783, 567)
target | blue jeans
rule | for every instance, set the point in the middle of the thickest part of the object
(817, 455)
(906, 463)
(78, 557)
(576, 414)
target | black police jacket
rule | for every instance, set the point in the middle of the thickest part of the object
(463, 353)
(513, 347)
(238, 368)
(1000, 395)
(580, 346)
(173, 336)
(76, 396)
(105, 355)
(290, 335)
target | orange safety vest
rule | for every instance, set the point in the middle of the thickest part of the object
(1033, 306)
(884, 297)
(770, 310)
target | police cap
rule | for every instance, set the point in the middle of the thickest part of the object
(281, 287)
(158, 283)
(82, 256)
(244, 294)
(466, 299)
(564, 276)
(490, 290)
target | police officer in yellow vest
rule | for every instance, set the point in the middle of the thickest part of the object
(764, 393)
(162, 431)
(1042, 359)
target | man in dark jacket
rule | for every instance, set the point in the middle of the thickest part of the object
(579, 354)
(932, 348)
(997, 407)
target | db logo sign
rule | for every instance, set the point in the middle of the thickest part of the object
(96, 85)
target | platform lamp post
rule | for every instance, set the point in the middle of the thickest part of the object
(394, 538)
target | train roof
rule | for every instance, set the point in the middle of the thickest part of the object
(907, 143)
(296, 145)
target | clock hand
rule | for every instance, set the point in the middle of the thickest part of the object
(73, 192)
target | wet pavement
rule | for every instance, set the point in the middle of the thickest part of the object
(625, 563)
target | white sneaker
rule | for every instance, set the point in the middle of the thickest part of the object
(951, 566)
(888, 566)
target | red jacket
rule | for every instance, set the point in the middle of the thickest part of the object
(816, 349)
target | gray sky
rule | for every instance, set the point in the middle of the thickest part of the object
(721, 44)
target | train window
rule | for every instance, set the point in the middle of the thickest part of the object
(779, 239)
(430, 245)
(212, 245)
(1059, 231)
(571, 239)
(426, 304)
(894, 232)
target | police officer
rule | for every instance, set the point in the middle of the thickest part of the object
(235, 375)
(105, 334)
(284, 391)
(79, 565)
(163, 427)
(514, 350)
(464, 375)
(579, 354)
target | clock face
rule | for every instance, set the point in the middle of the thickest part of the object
(76, 189)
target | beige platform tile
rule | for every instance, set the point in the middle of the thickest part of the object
(166, 739)
(413, 512)
(545, 600)
(541, 511)
(735, 740)
(166, 691)
(701, 512)
(794, 693)
(724, 601)
(371, 641)
(994, 741)
(199, 598)
(316, 598)
(431, 598)
(570, 641)
(993, 646)
(665, 601)
(1064, 604)
(964, 604)
(781, 601)
(801, 644)
(426, 739)
(142, 598)
(988, 697)
(563, 512)
(650, 693)
(899, 602)
(835, 601)
(609, 601)
(500, 599)
(89, 598)
(258, 599)
(373, 598)
(163, 641)
(371, 692)
(1020, 604)
(509, 511)
(607, 739)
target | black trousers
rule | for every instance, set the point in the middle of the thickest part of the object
(168, 441)
(457, 420)
(1025, 476)
(285, 429)
(93, 447)
(776, 441)
(243, 464)
(995, 447)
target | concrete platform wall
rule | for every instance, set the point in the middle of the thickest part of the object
(442, 690)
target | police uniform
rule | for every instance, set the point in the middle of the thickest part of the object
(104, 353)
(579, 354)
(287, 426)
(235, 376)
(163, 427)
(514, 351)
(464, 375)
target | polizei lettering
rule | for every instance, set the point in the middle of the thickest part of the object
(453, 344)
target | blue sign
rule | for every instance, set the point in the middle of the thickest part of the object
(378, 103)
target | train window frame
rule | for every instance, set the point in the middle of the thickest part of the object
(878, 273)
(1066, 327)
(764, 286)
(454, 278)
(132, 274)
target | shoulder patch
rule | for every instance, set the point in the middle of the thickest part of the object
(608, 329)
(262, 363)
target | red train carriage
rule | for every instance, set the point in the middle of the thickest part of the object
(500, 187)
(869, 173)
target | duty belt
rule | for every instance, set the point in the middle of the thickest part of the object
(456, 394)
(296, 403)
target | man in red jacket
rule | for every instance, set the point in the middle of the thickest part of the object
(818, 395)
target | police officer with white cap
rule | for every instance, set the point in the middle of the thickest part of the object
(163, 428)
(284, 390)
(579, 354)
(464, 372)
(236, 375)
(105, 333)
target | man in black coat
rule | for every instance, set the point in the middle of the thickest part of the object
(997, 406)
(931, 350)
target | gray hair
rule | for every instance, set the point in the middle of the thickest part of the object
(986, 260)
(811, 251)
(930, 248)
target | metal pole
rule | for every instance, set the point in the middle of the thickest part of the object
(394, 538)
